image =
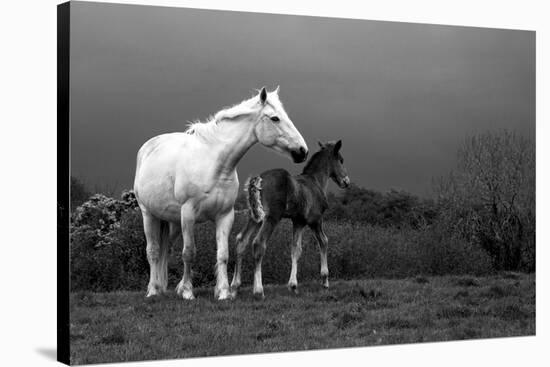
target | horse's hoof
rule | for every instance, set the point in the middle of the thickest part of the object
(324, 282)
(188, 295)
(223, 294)
(293, 288)
(153, 291)
(151, 295)
(184, 292)
(259, 295)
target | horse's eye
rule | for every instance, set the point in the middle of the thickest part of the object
(342, 161)
(275, 119)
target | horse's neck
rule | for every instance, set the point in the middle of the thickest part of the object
(234, 139)
(320, 176)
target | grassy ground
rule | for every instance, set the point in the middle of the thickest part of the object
(125, 326)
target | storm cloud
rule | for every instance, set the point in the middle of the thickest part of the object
(401, 96)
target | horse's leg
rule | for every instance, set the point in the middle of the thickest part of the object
(259, 245)
(224, 223)
(151, 227)
(185, 286)
(295, 252)
(322, 241)
(165, 242)
(243, 239)
(169, 235)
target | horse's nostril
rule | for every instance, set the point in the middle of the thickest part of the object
(299, 155)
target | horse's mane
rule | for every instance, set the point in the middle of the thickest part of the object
(208, 129)
(313, 164)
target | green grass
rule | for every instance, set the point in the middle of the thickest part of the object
(125, 326)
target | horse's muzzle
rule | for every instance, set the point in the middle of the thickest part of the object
(345, 182)
(299, 155)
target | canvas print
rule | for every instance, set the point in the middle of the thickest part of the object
(235, 183)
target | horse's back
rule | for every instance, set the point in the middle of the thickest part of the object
(152, 147)
(276, 185)
(177, 169)
(295, 197)
(156, 157)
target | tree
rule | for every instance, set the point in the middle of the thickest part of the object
(490, 197)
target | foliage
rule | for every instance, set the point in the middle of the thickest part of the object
(489, 200)
(355, 250)
(391, 209)
(482, 220)
(107, 244)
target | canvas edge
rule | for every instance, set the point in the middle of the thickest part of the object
(63, 182)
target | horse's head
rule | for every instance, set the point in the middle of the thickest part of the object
(275, 130)
(336, 169)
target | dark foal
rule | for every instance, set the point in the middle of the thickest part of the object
(276, 194)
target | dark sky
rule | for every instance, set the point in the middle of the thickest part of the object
(401, 96)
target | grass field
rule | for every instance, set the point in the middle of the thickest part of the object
(125, 326)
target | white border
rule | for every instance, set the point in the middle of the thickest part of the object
(28, 181)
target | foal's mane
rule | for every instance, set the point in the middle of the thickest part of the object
(208, 129)
(314, 164)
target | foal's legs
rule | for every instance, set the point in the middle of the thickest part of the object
(243, 239)
(295, 252)
(185, 286)
(322, 242)
(223, 227)
(259, 245)
(157, 255)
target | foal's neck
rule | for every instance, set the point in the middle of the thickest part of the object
(318, 172)
(322, 180)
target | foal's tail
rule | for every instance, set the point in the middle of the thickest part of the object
(253, 189)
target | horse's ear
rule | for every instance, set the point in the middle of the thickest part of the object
(276, 91)
(337, 146)
(321, 145)
(263, 95)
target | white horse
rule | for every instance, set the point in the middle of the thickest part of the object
(190, 177)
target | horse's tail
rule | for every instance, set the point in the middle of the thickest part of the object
(253, 189)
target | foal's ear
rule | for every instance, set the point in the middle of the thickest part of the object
(263, 95)
(321, 145)
(337, 146)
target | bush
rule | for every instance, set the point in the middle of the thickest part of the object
(108, 250)
(118, 263)
(390, 209)
(489, 200)
(354, 251)
(107, 245)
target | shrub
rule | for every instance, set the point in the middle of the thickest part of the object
(107, 245)
(390, 209)
(109, 253)
(105, 265)
(489, 199)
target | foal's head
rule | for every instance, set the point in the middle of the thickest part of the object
(336, 168)
(330, 159)
(275, 130)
